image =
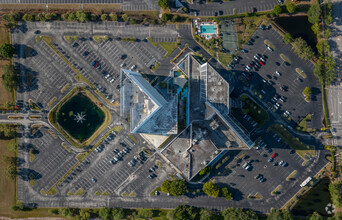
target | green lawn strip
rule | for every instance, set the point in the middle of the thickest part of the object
(133, 138)
(51, 101)
(269, 44)
(32, 157)
(128, 39)
(301, 149)
(81, 156)
(70, 39)
(168, 46)
(276, 190)
(153, 193)
(70, 193)
(289, 177)
(254, 110)
(33, 182)
(105, 193)
(80, 192)
(66, 147)
(65, 87)
(33, 106)
(52, 133)
(301, 73)
(257, 196)
(325, 108)
(124, 194)
(132, 194)
(52, 191)
(283, 57)
(97, 193)
(303, 124)
(99, 38)
(225, 58)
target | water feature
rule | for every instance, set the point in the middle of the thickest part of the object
(80, 117)
(208, 29)
(298, 26)
(317, 199)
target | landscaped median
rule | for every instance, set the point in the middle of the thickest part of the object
(269, 44)
(276, 191)
(72, 140)
(301, 149)
(169, 47)
(290, 177)
(283, 57)
(301, 73)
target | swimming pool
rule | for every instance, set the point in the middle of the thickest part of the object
(208, 29)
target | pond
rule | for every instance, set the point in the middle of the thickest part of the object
(298, 26)
(80, 117)
(315, 200)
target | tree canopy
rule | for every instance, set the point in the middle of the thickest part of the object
(211, 189)
(291, 7)
(278, 214)
(277, 10)
(164, 4)
(174, 187)
(9, 78)
(302, 49)
(287, 38)
(6, 51)
(185, 212)
(238, 214)
(314, 13)
(82, 16)
(105, 213)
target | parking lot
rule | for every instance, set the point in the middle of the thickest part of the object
(278, 83)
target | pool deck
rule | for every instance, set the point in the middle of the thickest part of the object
(206, 35)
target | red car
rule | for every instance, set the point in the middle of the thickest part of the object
(261, 63)
(274, 155)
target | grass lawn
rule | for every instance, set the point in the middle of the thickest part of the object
(291, 175)
(293, 142)
(302, 126)
(168, 46)
(5, 96)
(225, 58)
(251, 108)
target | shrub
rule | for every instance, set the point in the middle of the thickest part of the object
(104, 17)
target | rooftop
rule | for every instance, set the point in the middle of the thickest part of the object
(145, 107)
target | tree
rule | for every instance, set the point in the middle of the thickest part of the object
(211, 189)
(40, 17)
(50, 16)
(53, 211)
(104, 213)
(277, 10)
(125, 17)
(238, 214)
(278, 214)
(174, 187)
(164, 4)
(316, 216)
(82, 16)
(206, 214)
(84, 214)
(113, 17)
(226, 194)
(94, 17)
(9, 78)
(118, 214)
(104, 17)
(65, 212)
(287, 38)
(6, 51)
(185, 212)
(291, 7)
(145, 213)
(204, 171)
(314, 13)
(315, 28)
(28, 17)
(164, 17)
(302, 49)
